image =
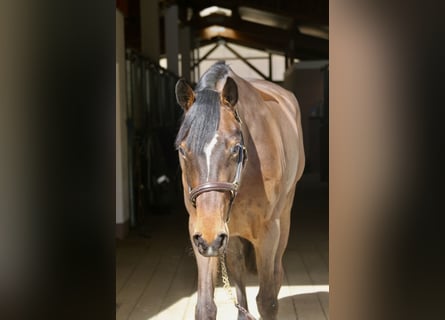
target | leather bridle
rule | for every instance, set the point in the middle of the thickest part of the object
(231, 187)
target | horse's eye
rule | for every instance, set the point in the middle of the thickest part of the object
(236, 149)
(182, 152)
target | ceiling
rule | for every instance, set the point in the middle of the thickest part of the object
(296, 28)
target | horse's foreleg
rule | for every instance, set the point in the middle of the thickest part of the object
(207, 269)
(265, 250)
(235, 259)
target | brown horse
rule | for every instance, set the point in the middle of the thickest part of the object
(241, 154)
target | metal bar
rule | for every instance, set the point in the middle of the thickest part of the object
(192, 64)
(130, 149)
(198, 65)
(205, 56)
(195, 65)
(246, 62)
(235, 58)
(270, 65)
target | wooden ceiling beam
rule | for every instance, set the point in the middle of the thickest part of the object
(304, 11)
(262, 37)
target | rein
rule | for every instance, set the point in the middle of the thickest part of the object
(228, 288)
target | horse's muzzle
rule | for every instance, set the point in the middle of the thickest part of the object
(213, 249)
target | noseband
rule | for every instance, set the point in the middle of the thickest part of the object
(231, 187)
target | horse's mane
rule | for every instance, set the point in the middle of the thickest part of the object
(202, 120)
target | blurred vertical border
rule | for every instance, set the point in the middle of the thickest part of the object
(57, 165)
(386, 160)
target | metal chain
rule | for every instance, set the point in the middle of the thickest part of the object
(228, 288)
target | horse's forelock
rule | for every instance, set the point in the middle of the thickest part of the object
(202, 120)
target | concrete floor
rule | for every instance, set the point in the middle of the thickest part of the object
(156, 272)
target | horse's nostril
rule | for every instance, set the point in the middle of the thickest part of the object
(212, 249)
(221, 240)
(197, 239)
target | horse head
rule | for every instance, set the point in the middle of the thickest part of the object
(212, 155)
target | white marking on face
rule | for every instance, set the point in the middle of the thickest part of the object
(208, 149)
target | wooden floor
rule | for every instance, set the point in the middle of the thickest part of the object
(156, 271)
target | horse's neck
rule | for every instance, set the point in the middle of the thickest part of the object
(253, 112)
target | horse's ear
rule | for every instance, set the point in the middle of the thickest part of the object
(184, 94)
(230, 92)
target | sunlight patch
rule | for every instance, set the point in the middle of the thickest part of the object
(184, 308)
